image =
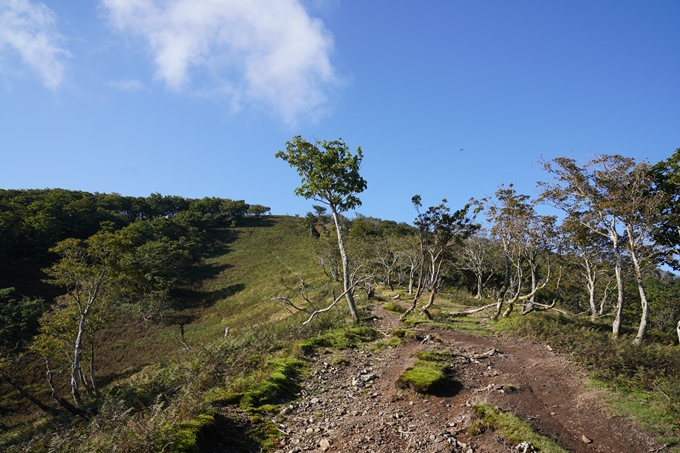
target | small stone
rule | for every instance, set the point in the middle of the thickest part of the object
(433, 437)
(324, 444)
(586, 440)
(314, 400)
(462, 444)
(309, 431)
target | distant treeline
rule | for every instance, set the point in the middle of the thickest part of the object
(32, 221)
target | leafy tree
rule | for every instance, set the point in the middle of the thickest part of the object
(150, 272)
(479, 257)
(613, 196)
(440, 231)
(587, 193)
(258, 210)
(330, 175)
(89, 272)
(523, 236)
(18, 319)
(666, 179)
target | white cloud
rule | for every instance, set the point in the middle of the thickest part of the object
(30, 29)
(265, 52)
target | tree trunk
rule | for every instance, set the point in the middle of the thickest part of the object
(479, 287)
(92, 378)
(44, 407)
(504, 289)
(345, 269)
(77, 356)
(616, 326)
(641, 289)
(590, 285)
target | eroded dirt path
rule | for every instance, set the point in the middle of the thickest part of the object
(351, 403)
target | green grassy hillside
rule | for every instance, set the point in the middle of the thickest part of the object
(233, 287)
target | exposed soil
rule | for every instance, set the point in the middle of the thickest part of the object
(350, 402)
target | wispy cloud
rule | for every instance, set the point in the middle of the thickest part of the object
(30, 29)
(265, 52)
(131, 85)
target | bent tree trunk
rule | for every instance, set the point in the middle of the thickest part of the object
(644, 317)
(616, 326)
(504, 288)
(347, 285)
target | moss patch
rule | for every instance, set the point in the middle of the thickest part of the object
(340, 339)
(261, 392)
(423, 377)
(514, 429)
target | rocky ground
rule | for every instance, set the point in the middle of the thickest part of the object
(350, 403)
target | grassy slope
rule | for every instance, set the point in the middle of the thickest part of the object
(232, 288)
(250, 275)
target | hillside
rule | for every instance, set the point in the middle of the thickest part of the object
(277, 385)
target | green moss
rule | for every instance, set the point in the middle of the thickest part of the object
(403, 333)
(423, 377)
(347, 338)
(263, 432)
(394, 307)
(392, 342)
(279, 386)
(187, 435)
(433, 356)
(514, 429)
(340, 361)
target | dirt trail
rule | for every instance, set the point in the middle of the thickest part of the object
(351, 403)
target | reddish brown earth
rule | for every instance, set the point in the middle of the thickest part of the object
(353, 405)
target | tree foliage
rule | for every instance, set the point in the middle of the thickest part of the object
(330, 175)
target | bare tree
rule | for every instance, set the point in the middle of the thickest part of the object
(479, 256)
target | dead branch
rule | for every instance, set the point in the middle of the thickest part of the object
(335, 301)
(183, 341)
(471, 311)
(44, 407)
(475, 359)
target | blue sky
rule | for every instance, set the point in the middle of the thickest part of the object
(194, 97)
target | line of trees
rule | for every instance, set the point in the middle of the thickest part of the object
(619, 224)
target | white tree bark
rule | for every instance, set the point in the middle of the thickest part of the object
(346, 277)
